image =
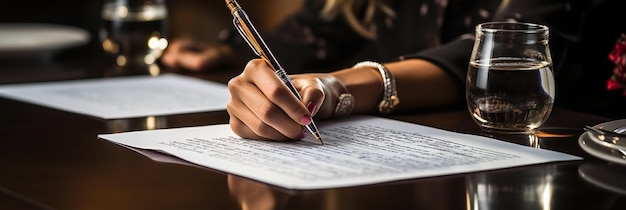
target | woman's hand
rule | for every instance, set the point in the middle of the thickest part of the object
(190, 55)
(262, 107)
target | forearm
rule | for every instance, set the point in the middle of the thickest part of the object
(420, 84)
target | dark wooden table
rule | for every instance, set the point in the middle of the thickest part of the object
(52, 159)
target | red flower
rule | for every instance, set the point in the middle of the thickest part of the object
(617, 81)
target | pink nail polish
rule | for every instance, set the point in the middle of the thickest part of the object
(306, 119)
(304, 134)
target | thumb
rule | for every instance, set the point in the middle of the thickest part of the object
(321, 90)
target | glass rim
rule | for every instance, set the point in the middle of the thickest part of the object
(511, 27)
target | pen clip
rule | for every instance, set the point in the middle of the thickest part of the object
(245, 36)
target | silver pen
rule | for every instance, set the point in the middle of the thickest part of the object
(251, 35)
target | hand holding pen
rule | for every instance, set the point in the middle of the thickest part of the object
(252, 37)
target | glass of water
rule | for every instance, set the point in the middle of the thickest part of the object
(134, 34)
(510, 82)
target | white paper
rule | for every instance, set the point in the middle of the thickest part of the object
(359, 150)
(125, 97)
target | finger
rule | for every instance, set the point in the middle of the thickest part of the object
(198, 61)
(263, 117)
(189, 54)
(245, 124)
(277, 92)
(312, 93)
(270, 118)
(170, 57)
(243, 130)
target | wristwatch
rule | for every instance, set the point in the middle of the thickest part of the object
(390, 94)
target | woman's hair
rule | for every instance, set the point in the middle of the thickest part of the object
(350, 8)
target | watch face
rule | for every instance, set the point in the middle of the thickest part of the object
(345, 105)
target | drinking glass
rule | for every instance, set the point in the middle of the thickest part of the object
(510, 82)
(134, 33)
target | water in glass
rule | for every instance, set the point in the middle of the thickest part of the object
(510, 82)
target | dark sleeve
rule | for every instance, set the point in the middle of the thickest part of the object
(564, 17)
(453, 56)
(305, 42)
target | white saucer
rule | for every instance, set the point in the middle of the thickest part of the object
(23, 39)
(618, 126)
(605, 153)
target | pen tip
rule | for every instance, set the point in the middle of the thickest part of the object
(318, 138)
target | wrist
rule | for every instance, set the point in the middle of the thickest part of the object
(364, 84)
(367, 84)
(390, 95)
(338, 102)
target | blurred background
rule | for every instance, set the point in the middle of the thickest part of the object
(199, 19)
(581, 85)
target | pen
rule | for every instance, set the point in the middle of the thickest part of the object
(251, 36)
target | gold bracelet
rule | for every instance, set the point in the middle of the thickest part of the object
(390, 94)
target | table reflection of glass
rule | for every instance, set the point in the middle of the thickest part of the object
(517, 189)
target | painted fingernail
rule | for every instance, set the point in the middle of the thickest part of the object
(311, 107)
(306, 119)
(303, 135)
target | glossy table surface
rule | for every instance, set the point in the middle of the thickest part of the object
(52, 159)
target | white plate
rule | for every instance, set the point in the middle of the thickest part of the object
(20, 39)
(618, 126)
(602, 152)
